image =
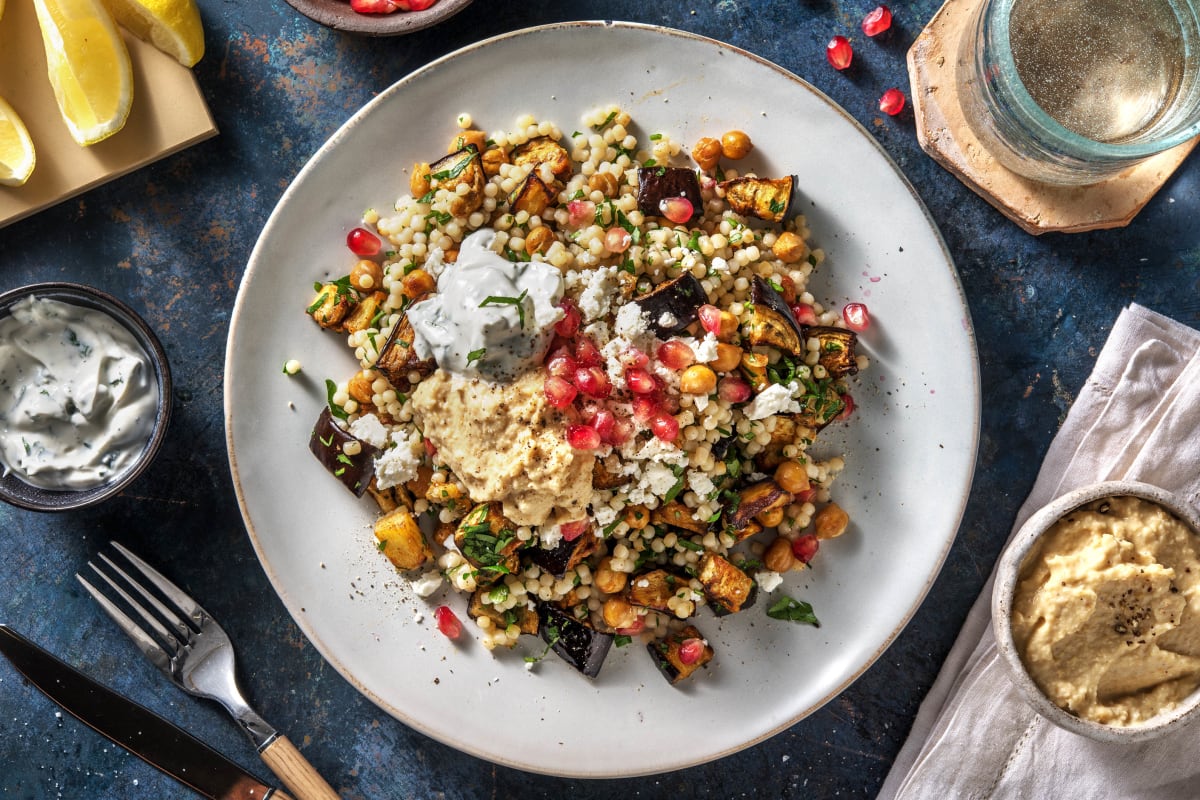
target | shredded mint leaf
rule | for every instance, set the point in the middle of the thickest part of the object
(792, 610)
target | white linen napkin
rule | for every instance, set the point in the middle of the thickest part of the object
(1137, 418)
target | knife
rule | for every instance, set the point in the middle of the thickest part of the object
(139, 730)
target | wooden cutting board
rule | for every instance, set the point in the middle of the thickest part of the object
(168, 114)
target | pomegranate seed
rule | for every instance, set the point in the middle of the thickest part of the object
(622, 430)
(586, 353)
(710, 318)
(839, 52)
(604, 422)
(559, 391)
(430, 448)
(617, 240)
(593, 382)
(805, 548)
(677, 209)
(634, 629)
(665, 427)
(580, 212)
(645, 407)
(847, 410)
(573, 530)
(877, 21)
(569, 324)
(807, 495)
(447, 622)
(583, 437)
(733, 390)
(632, 357)
(640, 381)
(856, 317)
(374, 6)
(892, 102)
(561, 365)
(691, 650)
(675, 355)
(363, 243)
(804, 314)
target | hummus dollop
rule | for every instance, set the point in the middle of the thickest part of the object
(506, 444)
(1106, 612)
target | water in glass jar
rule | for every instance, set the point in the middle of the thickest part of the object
(1108, 70)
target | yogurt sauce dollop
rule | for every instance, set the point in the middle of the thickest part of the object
(491, 317)
(78, 396)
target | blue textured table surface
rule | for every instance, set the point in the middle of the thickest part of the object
(173, 239)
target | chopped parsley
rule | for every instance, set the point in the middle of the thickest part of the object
(503, 300)
(476, 355)
(334, 408)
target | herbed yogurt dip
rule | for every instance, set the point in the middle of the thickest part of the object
(1106, 612)
(78, 396)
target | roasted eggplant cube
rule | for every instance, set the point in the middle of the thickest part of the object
(397, 357)
(564, 556)
(532, 196)
(575, 641)
(327, 442)
(544, 150)
(603, 479)
(721, 611)
(656, 184)
(364, 312)
(653, 589)
(680, 654)
(771, 321)
(330, 305)
(765, 198)
(836, 352)
(399, 538)
(819, 405)
(725, 585)
(676, 515)
(756, 499)
(523, 617)
(462, 168)
(672, 305)
(489, 543)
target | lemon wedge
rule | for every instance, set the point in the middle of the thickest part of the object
(173, 26)
(16, 148)
(89, 67)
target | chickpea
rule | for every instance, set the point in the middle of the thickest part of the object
(728, 329)
(464, 138)
(366, 275)
(792, 477)
(771, 518)
(735, 145)
(830, 522)
(789, 248)
(787, 289)
(698, 379)
(637, 517)
(603, 182)
(418, 182)
(539, 240)
(360, 389)
(728, 357)
(618, 613)
(450, 256)
(417, 283)
(707, 152)
(491, 160)
(778, 557)
(607, 579)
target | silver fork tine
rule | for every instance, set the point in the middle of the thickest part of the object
(177, 596)
(182, 632)
(146, 643)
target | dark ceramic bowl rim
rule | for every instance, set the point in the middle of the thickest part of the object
(18, 493)
(338, 15)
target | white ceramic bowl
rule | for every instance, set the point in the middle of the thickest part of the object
(1007, 575)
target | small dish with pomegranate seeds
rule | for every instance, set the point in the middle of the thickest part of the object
(590, 373)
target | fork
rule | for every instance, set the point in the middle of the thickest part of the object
(191, 649)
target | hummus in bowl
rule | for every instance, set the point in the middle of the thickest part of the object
(1096, 609)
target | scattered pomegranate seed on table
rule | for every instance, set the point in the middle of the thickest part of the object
(447, 622)
(892, 102)
(877, 21)
(839, 52)
(856, 317)
(848, 410)
(363, 243)
(805, 548)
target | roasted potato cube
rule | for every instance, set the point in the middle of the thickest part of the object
(765, 198)
(330, 305)
(544, 150)
(401, 540)
(676, 515)
(725, 584)
(680, 654)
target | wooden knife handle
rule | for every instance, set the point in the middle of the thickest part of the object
(282, 757)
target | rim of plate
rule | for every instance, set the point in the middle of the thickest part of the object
(975, 392)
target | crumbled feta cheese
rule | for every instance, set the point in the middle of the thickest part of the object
(599, 287)
(705, 349)
(398, 464)
(719, 265)
(369, 429)
(436, 262)
(427, 583)
(550, 536)
(775, 399)
(700, 401)
(700, 483)
(768, 581)
(630, 323)
(667, 320)
(604, 515)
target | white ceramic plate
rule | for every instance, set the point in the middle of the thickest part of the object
(910, 451)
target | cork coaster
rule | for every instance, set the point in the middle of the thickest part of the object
(1037, 207)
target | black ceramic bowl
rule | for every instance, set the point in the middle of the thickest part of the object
(338, 14)
(14, 490)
